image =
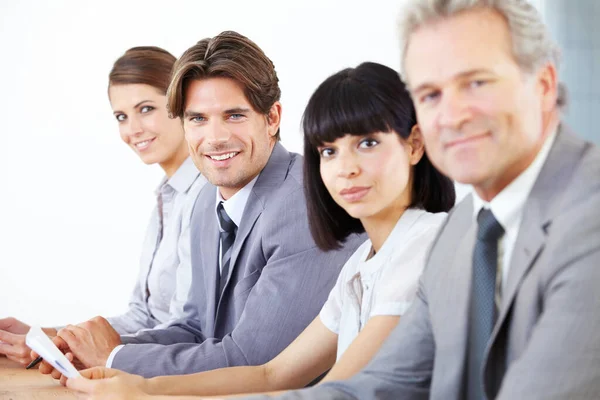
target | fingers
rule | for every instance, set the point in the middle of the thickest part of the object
(99, 373)
(6, 323)
(60, 343)
(11, 338)
(56, 374)
(70, 337)
(20, 360)
(45, 368)
(14, 347)
(81, 384)
(13, 325)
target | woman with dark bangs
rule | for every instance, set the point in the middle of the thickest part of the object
(365, 171)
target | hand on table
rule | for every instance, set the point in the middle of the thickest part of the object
(104, 384)
(12, 340)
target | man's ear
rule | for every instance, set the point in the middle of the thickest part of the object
(547, 83)
(274, 118)
(415, 145)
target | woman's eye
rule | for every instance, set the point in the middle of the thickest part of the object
(120, 117)
(368, 143)
(146, 109)
(326, 152)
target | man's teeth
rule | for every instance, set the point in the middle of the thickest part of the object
(144, 143)
(222, 157)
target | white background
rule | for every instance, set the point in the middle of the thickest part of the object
(74, 200)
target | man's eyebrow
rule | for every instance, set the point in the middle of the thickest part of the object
(237, 110)
(192, 113)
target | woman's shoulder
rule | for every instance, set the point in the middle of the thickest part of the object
(427, 221)
(420, 229)
(352, 265)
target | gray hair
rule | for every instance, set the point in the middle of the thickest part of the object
(532, 44)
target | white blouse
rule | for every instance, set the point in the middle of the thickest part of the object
(152, 302)
(386, 283)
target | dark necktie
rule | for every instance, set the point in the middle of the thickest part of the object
(227, 235)
(482, 313)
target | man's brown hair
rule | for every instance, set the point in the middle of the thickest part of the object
(228, 55)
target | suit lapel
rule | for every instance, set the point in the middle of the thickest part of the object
(206, 242)
(460, 278)
(544, 201)
(270, 178)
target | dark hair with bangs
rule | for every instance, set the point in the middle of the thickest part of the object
(360, 101)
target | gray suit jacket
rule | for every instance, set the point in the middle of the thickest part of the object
(278, 282)
(548, 331)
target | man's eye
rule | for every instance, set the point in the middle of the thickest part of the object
(477, 83)
(429, 97)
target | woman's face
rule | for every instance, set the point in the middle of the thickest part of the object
(144, 124)
(370, 176)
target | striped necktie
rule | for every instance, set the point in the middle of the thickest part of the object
(227, 235)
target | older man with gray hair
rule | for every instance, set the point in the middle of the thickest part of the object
(508, 306)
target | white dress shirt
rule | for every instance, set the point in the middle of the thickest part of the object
(507, 207)
(162, 284)
(386, 283)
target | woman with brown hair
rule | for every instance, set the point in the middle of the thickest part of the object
(137, 89)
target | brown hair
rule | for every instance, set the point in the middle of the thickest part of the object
(147, 65)
(229, 55)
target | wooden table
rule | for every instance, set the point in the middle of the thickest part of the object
(17, 383)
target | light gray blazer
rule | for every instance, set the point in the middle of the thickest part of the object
(278, 282)
(548, 330)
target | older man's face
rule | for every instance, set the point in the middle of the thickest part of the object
(481, 116)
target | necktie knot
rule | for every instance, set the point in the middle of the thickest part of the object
(489, 228)
(226, 223)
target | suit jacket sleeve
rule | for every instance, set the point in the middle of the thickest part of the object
(562, 359)
(285, 296)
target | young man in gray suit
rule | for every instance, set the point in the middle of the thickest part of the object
(508, 307)
(258, 279)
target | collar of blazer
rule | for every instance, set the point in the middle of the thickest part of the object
(546, 200)
(270, 179)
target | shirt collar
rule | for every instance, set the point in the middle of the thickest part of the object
(507, 206)
(235, 205)
(182, 179)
